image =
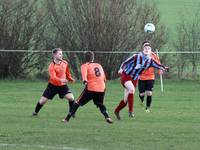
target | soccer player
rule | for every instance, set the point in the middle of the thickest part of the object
(146, 83)
(60, 75)
(130, 70)
(93, 77)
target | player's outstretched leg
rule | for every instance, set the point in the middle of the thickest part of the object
(39, 105)
(142, 100)
(70, 107)
(148, 104)
(120, 106)
(148, 101)
(103, 110)
(74, 108)
(70, 98)
(37, 109)
(131, 105)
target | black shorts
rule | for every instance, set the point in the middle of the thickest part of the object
(145, 85)
(86, 96)
(52, 90)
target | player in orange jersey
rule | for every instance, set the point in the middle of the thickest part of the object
(146, 83)
(93, 77)
(60, 75)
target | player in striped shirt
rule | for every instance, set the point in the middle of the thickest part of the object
(130, 70)
(60, 75)
(93, 77)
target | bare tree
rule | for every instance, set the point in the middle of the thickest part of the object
(181, 46)
(21, 28)
(194, 43)
(103, 25)
(188, 40)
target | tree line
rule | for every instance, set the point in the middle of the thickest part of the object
(80, 25)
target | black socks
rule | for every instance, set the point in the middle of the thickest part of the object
(141, 98)
(70, 105)
(73, 109)
(38, 107)
(103, 111)
(149, 99)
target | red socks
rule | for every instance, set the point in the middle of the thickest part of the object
(121, 105)
(130, 102)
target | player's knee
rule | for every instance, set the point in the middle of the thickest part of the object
(43, 100)
(149, 93)
(125, 100)
(70, 97)
(142, 94)
(131, 91)
(129, 87)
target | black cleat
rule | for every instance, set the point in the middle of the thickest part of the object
(117, 115)
(34, 114)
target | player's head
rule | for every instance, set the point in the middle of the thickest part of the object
(57, 54)
(146, 47)
(89, 56)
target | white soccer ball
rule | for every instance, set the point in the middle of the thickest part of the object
(149, 28)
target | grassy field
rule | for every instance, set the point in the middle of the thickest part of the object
(170, 13)
(173, 123)
(170, 10)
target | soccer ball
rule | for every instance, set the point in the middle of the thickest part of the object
(149, 28)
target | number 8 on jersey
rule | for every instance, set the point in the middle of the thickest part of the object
(94, 74)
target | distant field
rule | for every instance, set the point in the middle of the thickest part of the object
(170, 11)
(173, 123)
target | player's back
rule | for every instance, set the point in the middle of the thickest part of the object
(94, 74)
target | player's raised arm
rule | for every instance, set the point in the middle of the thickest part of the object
(157, 65)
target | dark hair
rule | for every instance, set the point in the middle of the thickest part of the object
(146, 43)
(89, 56)
(54, 51)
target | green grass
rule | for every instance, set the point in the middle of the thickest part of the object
(173, 123)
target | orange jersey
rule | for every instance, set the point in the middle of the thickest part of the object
(59, 71)
(149, 73)
(94, 74)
